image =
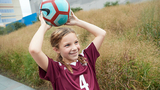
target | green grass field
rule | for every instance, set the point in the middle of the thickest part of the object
(130, 54)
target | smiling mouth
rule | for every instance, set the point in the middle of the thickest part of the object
(75, 53)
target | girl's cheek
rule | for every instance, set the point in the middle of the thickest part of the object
(79, 46)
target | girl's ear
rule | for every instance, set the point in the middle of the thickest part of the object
(56, 50)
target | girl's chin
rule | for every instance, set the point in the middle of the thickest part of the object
(71, 59)
(74, 59)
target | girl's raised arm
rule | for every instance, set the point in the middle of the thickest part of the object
(36, 45)
(96, 31)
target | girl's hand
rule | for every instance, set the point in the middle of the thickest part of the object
(73, 20)
(43, 22)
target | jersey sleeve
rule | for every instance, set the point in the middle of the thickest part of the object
(52, 71)
(91, 54)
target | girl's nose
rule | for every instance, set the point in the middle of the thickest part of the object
(74, 47)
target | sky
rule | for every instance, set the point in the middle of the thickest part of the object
(25, 6)
(26, 9)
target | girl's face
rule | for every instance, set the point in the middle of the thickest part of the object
(69, 48)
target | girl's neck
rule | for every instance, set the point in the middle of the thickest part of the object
(69, 61)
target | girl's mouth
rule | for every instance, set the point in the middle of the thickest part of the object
(73, 53)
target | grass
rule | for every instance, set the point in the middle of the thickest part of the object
(129, 57)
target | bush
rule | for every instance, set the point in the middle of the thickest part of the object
(1, 30)
(114, 3)
(107, 4)
(11, 27)
(127, 2)
(18, 25)
(76, 9)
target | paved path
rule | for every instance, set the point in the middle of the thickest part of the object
(9, 84)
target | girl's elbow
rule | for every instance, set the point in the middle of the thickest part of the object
(104, 33)
(33, 50)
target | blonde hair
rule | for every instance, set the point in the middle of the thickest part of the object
(55, 39)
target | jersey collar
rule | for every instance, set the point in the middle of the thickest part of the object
(74, 63)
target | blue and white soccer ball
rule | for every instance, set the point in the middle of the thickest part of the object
(55, 12)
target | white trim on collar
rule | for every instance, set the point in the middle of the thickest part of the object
(74, 63)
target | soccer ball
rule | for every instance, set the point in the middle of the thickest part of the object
(55, 12)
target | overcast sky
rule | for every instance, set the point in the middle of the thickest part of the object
(26, 9)
(25, 6)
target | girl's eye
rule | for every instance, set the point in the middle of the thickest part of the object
(67, 45)
(76, 42)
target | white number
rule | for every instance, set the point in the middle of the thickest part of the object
(83, 83)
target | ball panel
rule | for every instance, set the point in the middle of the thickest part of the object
(48, 23)
(45, 0)
(61, 19)
(62, 5)
(51, 8)
(69, 13)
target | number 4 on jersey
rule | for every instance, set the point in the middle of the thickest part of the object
(83, 83)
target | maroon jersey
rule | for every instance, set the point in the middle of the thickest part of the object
(83, 77)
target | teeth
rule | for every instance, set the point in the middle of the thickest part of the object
(73, 53)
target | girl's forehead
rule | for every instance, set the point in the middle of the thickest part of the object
(69, 37)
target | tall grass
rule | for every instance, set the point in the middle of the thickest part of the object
(129, 60)
(149, 28)
(129, 55)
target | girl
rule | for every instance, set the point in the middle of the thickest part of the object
(71, 70)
